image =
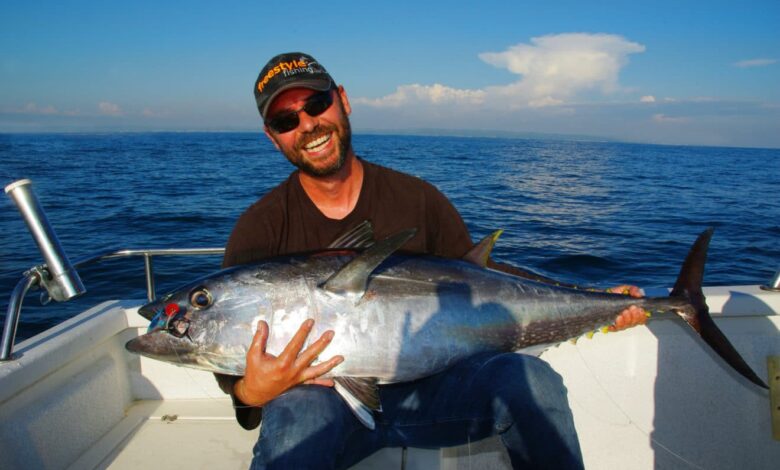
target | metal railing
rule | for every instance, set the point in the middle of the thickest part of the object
(33, 277)
(148, 254)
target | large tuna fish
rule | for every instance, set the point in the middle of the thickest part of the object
(396, 318)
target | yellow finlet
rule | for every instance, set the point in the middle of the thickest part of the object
(480, 253)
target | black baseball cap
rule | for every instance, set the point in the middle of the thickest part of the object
(289, 70)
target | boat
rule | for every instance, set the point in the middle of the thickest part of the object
(649, 397)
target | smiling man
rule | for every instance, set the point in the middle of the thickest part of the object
(305, 423)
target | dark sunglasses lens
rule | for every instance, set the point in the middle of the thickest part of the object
(284, 123)
(318, 104)
(314, 106)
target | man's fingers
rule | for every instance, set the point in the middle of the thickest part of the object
(323, 382)
(640, 318)
(312, 373)
(315, 349)
(632, 316)
(260, 339)
(296, 344)
(635, 291)
(627, 289)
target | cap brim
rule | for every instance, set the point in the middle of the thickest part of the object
(318, 84)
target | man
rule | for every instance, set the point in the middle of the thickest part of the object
(517, 397)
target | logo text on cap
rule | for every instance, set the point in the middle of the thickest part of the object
(286, 68)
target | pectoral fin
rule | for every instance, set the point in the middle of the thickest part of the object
(362, 397)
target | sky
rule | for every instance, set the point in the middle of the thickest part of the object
(666, 72)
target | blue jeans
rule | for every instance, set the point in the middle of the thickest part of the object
(518, 397)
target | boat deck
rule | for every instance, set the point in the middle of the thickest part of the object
(201, 433)
(197, 433)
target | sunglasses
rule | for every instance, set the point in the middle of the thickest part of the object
(316, 104)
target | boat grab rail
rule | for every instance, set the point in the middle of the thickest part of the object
(32, 278)
(147, 255)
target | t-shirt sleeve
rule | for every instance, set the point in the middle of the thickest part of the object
(250, 240)
(256, 233)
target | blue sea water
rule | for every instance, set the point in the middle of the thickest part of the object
(593, 213)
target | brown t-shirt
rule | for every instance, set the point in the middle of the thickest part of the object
(286, 221)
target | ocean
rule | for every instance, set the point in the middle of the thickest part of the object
(593, 213)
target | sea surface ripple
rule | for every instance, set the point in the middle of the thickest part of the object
(594, 213)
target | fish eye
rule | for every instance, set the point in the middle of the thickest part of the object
(201, 298)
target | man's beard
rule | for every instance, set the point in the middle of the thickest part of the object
(344, 136)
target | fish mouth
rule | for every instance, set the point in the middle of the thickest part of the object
(159, 345)
(135, 345)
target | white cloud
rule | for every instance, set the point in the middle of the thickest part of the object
(647, 99)
(754, 63)
(557, 67)
(110, 109)
(429, 94)
(553, 69)
(32, 108)
(663, 118)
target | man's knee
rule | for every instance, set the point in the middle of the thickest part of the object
(308, 407)
(532, 413)
(525, 380)
(301, 429)
(524, 368)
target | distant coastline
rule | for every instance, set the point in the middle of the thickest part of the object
(486, 133)
(420, 132)
(431, 132)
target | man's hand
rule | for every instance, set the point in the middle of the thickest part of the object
(631, 316)
(268, 376)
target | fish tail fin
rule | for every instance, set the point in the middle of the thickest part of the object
(697, 314)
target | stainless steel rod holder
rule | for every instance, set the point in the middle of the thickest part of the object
(63, 282)
(774, 283)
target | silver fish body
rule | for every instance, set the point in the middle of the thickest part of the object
(396, 318)
(418, 316)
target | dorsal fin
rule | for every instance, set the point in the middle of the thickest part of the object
(360, 236)
(352, 278)
(480, 254)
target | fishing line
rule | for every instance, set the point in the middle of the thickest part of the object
(469, 442)
(187, 371)
(631, 421)
(192, 378)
